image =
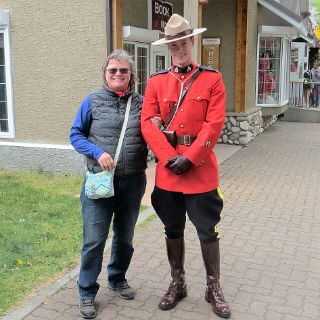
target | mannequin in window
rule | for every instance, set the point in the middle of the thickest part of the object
(264, 67)
(270, 85)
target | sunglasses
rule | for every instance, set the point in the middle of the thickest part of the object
(115, 70)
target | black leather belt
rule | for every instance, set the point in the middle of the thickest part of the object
(186, 140)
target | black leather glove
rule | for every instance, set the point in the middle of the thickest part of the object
(179, 164)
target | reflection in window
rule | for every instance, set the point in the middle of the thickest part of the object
(269, 70)
(294, 60)
(129, 47)
(160, 62)
(4, 125)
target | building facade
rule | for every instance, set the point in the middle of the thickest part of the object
(51, 55)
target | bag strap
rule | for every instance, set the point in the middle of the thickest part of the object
(123, 130)
(182, 95)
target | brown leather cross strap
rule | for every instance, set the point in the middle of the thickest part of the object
(177, 104)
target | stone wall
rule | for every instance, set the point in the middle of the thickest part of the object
(240, 129)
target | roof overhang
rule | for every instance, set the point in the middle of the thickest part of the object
(298, 29)
(283, 12)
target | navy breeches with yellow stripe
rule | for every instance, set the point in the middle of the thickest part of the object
(203, 210)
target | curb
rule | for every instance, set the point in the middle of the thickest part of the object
(51, 289)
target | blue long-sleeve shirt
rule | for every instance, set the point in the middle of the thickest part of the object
(80, 131)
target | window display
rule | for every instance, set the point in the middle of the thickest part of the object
(269, 70)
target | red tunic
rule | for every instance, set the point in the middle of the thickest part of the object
(201, 114)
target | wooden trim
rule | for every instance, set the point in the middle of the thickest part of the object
(117, 24)
(241, 56)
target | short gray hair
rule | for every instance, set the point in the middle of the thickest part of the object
(121, 55)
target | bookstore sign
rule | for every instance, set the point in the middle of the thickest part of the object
(161, 13)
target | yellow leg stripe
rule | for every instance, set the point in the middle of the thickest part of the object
(217, 230)
(220, 193)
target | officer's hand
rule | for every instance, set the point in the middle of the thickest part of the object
(179, 164)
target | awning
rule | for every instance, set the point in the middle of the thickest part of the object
(290, 17)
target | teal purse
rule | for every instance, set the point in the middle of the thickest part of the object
(99, 185)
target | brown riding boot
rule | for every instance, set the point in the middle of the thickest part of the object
(214, 295)
(177, 289)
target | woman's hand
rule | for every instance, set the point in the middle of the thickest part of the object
(106, 162)
(157, 121)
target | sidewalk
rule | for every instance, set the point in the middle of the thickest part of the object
(270, 243)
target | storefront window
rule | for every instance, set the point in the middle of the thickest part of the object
(140, 53)
(269, 67)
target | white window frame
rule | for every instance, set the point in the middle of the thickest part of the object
(284, 69)
(4, 29)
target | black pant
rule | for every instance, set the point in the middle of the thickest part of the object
(203, 210)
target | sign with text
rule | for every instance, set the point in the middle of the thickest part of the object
(211, 52)
(161, 13)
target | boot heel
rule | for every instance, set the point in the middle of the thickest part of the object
(184, 292)
(206, 297)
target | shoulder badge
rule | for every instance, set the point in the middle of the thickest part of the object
(160, 72)
(201, 68)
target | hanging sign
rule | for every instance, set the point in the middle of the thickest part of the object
(211, 52)
(161, 13)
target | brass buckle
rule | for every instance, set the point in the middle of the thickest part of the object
(187, 140)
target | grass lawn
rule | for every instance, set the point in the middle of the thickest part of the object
(40, 231)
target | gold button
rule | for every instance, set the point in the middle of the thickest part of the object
(165, 100)
(198, 98)
(182, 77)
(181, 109)
(181, 126)
(208, 144)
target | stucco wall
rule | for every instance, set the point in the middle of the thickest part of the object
(220, 18)
(57, 49)
(4, 4)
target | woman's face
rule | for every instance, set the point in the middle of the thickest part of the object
(118, 75)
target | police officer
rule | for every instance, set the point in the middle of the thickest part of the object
(187, 173)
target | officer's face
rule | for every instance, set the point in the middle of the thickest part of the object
(181, 51)
(118, 75)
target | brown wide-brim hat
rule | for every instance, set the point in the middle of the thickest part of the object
(177, 28)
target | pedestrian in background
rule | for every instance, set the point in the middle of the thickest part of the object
(315, 77)
(187, 171)
(307, 85)
(95, 134)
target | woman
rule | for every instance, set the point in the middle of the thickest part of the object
(95, 134)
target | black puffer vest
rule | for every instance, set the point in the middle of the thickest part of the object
(108, 110)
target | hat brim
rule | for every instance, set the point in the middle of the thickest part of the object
(164, 41)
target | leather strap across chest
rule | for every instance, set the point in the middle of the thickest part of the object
(182, 95)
